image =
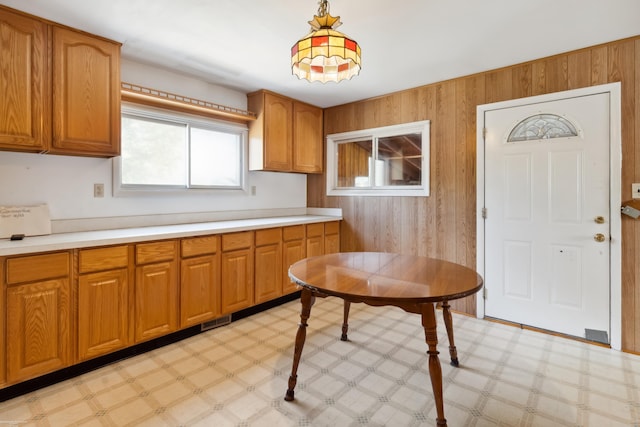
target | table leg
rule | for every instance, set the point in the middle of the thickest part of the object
(307, 299)
(345, 322)
(448, 323)
(435, 371)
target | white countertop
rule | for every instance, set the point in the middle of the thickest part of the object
(84, 239)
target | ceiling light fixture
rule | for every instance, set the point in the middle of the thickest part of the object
(325, 55)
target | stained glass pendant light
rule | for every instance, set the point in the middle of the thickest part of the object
(325, 55)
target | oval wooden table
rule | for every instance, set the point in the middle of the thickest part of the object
(410, 282)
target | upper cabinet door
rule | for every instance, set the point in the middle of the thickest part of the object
(86, 94)
(24, 77)
(307, 138)
(278, 139)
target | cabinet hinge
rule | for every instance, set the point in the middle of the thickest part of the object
(484, 293)
(484, 213)
(484, 133)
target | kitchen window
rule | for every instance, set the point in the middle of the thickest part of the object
(385, 161)
(166, 151)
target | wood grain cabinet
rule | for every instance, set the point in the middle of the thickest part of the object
(199, 280)
(268, 264)
(60, 88)
(3, 342)
(287, 135)
(331, 237)
(38, 310)
(294, 248)
(103, 301)
(315, 239)
(86, 94)
(156, 289)
(25, 112)
(237, 267)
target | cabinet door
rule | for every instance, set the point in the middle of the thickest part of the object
(156, 306)
(103, 307)
(331, 237)
(292, 251)
(315, 239)
(237, 280)
(38, 328)
(268, 272)
(307, 138)
(278, 132)
(25, 114)
(86, 94)
(3, 353)
(199, 290)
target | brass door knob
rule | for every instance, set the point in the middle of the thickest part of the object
(599, 220)
(599, 237)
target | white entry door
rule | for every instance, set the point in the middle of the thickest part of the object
(547, 227)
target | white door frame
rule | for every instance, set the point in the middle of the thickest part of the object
(615, 192)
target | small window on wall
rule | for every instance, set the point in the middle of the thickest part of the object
(386, 161)
(168, 151)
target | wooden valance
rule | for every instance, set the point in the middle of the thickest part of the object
(160, 99)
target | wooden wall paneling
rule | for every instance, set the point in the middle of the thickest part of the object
(549, 75)
(621, 68)
(499, 85)
(579, 69)
(520, 81)
(599, 65)
(428, 102)
(444, 141)
(636, 226)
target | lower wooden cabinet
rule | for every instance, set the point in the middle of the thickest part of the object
(331, 237)
(156, 290)
(103, 301)
(199, 280)
(38, 309)
(294, 248)
(268, 265)
(66, 307)
(237, 271)
(315, 239)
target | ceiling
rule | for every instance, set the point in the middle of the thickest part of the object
(245, 44)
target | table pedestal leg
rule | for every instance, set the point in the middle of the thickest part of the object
(448, 323)
(345, 322)
(307, 299)
(435, 371)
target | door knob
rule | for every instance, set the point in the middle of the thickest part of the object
(599, 220)
(599, 237)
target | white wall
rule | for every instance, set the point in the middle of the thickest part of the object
(65, 183)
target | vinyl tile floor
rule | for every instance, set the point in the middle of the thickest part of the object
(236, 375)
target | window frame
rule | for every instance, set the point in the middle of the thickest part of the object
(167, 115)
(374, 134)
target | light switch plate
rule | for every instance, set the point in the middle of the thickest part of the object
(635, 191)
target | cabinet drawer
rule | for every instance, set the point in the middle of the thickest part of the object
(331, 227)
(314, 230)
(155, 252)
(37, 267)
(103, 259)
(233, 241)
(268, 237)
(204, 245)
(293, 232)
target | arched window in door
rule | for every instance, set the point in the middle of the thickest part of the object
(542, 126)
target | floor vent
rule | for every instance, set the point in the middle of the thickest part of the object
(597, 336)
(215, 323)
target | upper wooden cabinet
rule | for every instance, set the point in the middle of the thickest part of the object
(60, 88)
(286, 136)
(25, 111)
(86, 94)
